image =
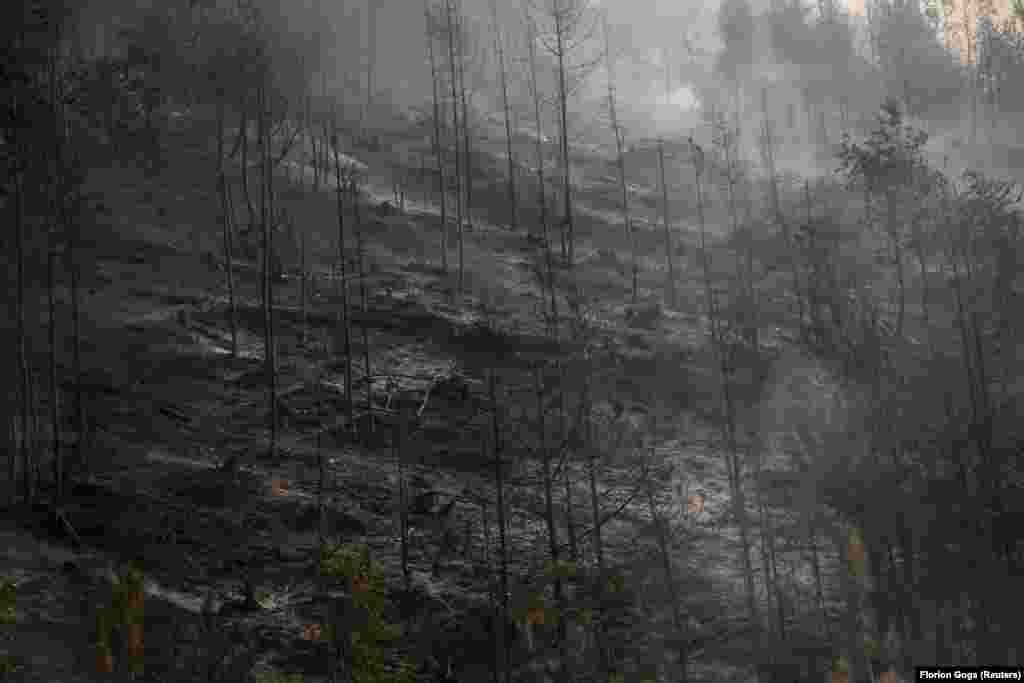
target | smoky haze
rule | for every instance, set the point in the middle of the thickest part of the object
(647, 39)
(815, 68)
(458, 298)
(812, 71)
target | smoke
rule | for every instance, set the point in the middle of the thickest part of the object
(675, 112)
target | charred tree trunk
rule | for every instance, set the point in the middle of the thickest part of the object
(541, 182)
(24, 378)
(267, 219)
(670, 285)
(371, 61)
(344, 322)
(76, 348)
(246, 192)
(398, 443)
(54, 385)
(500, 48)
(499, 485)
(552, 528)
(665, 555)
(363, 305)
(442, 189)
(593, 474)
(227, 229)
(620, 163)
(58, 217)
(466, 132)
(459, 198)
(563, 112)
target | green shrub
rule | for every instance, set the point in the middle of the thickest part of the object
(9, 663)
(370, 632)
(7, 594)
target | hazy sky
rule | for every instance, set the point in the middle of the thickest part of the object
(644, 33)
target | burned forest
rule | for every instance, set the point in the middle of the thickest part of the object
(518, 341)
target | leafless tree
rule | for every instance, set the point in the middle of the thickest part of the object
(454, 56)
(565, 26)
(499, 47)
(431, 31)
(629, 233)
(549, 271)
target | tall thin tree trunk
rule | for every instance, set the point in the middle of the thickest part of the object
(913, 626)
(506, 108)
(620, 162)
(303, 244)
(563, 111)
(227, 229)
(246, 193)
(363, 305)
(488, 564)
(57, 218)
(76, 350)
(768, 156)
(54, 386)
(34, 434)
(499, 485)
(698, 171)
(442, 189)
(550, 522)
(398, 444)
(459, 198)
(345, 322)
(371, 61)
(267, 220)
(819, 582)
(739, 504)
(593, 474)
(669, 247)
(896, 242)
(727, 142)
(466, 132)
(310, 127)
(570, 518)
(773, 567)
(304, 286)
(566, 467)
(24, 445)
(768, 557)
(11, 424)
(665, 555)
(541, 183)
